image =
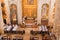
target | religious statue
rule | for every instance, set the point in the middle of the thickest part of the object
(13, 10)
(45, 10)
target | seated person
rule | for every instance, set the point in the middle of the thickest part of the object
(15, 26)
(39, 28)
(43, 29)
(5, 26)
(9, 27)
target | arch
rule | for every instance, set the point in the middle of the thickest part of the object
(45, 11)
(13, 14)
(44, 14)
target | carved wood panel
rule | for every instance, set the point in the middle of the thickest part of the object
(29, 8)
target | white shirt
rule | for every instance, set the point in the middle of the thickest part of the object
(9, 28)
(15, 28)
(39, 28)
(44, 28)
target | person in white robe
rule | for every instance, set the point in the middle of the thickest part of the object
(9, 27)
(15, 27)
(43, 28)
(5, 27)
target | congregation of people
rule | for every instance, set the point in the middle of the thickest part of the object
(43, 29)
(9, 27)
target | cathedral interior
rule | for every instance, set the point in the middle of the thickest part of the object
(29, 19)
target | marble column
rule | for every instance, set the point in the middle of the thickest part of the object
(1, 19)
(38, 12)
(57, 19)
(7, 11)
(52, 2)
(19, 11)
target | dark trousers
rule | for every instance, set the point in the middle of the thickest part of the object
(44, 32)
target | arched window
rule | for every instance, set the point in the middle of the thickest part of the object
(13, 13)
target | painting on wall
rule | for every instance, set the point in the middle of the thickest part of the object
(30, 2)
